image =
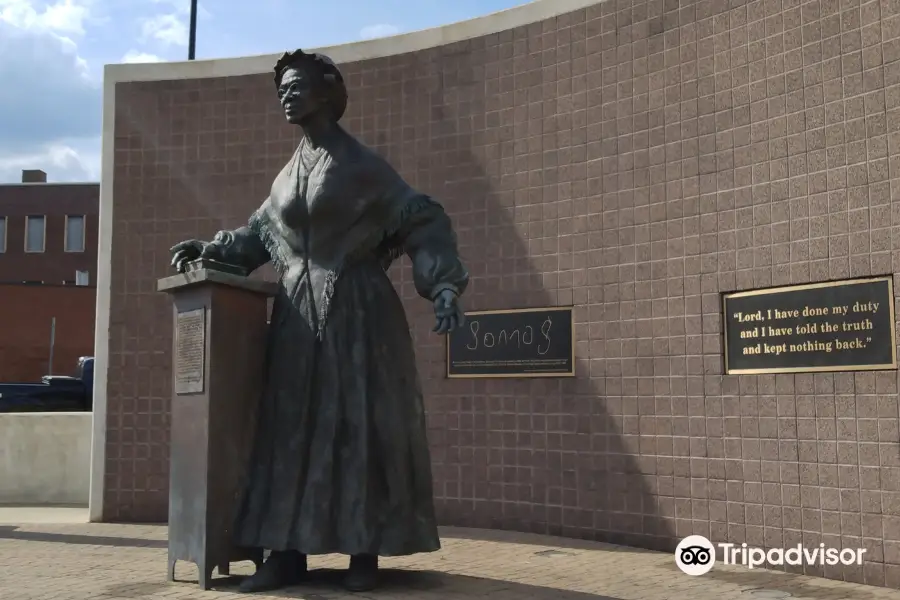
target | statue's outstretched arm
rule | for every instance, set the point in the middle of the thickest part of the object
(425, 233)
(429, 240)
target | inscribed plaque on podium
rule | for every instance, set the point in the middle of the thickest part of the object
(190, 351)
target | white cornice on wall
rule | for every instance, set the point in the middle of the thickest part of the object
(511, 18)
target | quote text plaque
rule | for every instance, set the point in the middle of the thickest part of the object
(835, 326)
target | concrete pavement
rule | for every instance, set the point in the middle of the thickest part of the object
(78, 561)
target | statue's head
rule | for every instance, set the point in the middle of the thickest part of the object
(308, 84)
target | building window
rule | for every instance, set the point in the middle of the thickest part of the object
(82, 278)
(74, 233)
(2, 234)
(35, 228)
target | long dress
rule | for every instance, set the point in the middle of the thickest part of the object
(340, 461)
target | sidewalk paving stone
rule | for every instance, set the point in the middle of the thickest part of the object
(111, 561)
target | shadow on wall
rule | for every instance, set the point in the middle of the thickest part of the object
(537, 455)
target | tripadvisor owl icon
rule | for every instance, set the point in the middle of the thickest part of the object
(695, 555)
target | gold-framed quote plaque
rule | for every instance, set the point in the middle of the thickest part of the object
(835, 326)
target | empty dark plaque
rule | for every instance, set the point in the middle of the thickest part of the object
(190, 351)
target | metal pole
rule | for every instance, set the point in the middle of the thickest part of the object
(192, 40)
(52, 344)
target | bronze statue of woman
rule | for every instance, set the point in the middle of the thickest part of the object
(340, 461)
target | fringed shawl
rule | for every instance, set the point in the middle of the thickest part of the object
(383, 240)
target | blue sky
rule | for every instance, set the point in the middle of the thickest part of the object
(52, 54)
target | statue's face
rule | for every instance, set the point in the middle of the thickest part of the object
(299, 95)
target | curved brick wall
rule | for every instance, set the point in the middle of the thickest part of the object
(634, 158)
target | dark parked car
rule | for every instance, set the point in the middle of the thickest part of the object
(55, 393)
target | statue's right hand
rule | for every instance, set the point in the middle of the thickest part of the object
(189, 250)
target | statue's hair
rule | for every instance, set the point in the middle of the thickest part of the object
(324, 67)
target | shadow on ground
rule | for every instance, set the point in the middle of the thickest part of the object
(11, 532)
(549, 542)
(325, 584)
(14, 533)
(776, 584)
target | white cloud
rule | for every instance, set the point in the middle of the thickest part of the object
(379, 30)
(65, 16)
(134, 56)
(183, 7)
(168, 29)
(171, 28)
(49, 95)
(51, 103)
(60, 160)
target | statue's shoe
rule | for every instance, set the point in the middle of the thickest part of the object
(363, 573)
(282, 569)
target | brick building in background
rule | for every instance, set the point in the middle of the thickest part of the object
(48, 231)
(30, 315)
(48, 269)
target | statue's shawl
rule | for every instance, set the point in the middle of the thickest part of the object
(350, 206)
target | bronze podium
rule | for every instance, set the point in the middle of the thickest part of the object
(217, 371)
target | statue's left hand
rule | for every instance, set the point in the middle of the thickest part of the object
(447, 312)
